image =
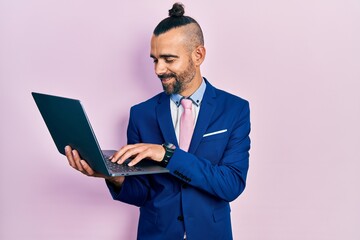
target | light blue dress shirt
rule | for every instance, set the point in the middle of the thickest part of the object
(177, 109)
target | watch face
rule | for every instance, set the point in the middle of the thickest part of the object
(170, 146)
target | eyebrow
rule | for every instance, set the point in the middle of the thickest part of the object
(165, 56)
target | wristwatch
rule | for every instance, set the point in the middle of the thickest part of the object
(169, 151)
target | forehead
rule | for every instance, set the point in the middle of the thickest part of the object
(170, 42)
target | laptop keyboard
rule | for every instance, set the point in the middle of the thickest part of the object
(115, 167)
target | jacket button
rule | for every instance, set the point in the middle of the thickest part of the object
(180, 218)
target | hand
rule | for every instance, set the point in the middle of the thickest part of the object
(139, 152)
(81, 165)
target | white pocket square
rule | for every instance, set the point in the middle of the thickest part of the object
(214, 133)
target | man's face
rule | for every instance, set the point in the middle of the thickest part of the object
(173, 63)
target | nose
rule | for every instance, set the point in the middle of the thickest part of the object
(160, 68)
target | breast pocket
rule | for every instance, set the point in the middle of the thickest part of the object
(215, 135)
(212, 146)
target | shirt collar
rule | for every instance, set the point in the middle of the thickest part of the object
(196, 97)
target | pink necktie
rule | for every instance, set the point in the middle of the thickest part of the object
(186, 124)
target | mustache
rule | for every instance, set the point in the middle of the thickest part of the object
(169, 75)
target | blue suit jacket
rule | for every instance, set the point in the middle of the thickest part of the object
(195, 195)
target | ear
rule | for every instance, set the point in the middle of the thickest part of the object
(198, 55)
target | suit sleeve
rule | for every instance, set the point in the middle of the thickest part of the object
(135, 189)
(226, 179)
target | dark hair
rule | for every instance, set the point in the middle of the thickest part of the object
(177, 19)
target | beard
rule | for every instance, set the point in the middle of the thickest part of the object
(181, 80)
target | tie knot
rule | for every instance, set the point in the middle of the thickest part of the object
(186, 103)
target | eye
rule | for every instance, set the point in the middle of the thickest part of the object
(169, 60)
(155, 60)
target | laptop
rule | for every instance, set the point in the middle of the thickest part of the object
(68, 124)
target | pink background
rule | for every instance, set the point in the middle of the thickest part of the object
(297, 62)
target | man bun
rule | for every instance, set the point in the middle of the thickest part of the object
(178, 19)
(177, 10)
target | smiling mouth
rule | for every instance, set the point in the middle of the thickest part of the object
(166, 80)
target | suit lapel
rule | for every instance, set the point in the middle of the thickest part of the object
(207, 109)
(164, 119)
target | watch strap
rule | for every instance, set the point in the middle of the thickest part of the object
(169, 151)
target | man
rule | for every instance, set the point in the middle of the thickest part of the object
(207, 170)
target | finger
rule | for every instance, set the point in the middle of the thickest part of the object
(122, 151)
(77, 159)
(146, 152)
(69, 156)
(118, 154)
(135, 161)
(133, 152)
(87, 169)
(90, 172)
